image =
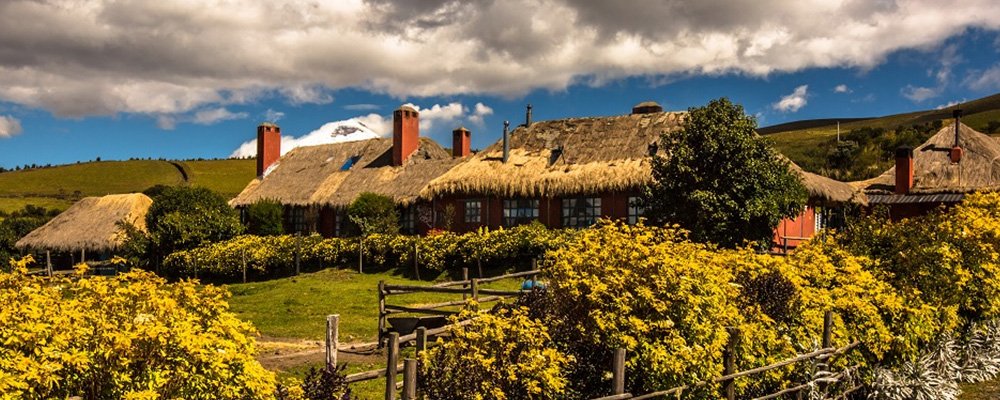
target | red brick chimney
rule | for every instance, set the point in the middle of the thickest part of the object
(268, 146)
(904, 169)
(461, 138)
(405, 134)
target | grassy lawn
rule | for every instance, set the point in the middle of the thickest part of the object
(9, 204)
(90, 179)
(297, 307)
(980, 391)
(226, 177)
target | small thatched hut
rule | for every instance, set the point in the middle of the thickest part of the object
(316, 183)
(569, 172)
(90, 225)
(956, 161)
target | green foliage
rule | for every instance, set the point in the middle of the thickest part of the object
(444, 251)
(319, 384)
(184, 218)
(132, 336)
(721, 181)
(500, 355)
(16, 225)
(373, 213)
(263, 218)
(993, 127)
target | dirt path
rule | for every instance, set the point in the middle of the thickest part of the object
(279, 354)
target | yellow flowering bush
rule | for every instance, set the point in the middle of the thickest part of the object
(131, 336)
(501, 355)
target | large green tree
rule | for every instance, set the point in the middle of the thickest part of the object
(374, 213)
(186, 217)
(721, 181)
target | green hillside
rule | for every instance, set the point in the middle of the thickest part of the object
(58, 187)
(812, 144)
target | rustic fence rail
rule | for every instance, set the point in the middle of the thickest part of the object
(468, 288)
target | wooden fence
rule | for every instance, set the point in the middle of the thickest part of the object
(468, 288)
(828, 382)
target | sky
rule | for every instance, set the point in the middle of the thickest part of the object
(183, 79)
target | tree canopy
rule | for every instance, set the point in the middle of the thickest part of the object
(721, 181)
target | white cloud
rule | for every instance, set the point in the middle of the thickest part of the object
(794, 101)
(359, 128)
(841, 88)
(212, 116)
(273, 116)
(173, 57)
(447, 113)
(166, 122)
(950, 104)
(479, 112)
(988, 80)
(9, 126)
(919, 93)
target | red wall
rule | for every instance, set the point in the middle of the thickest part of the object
(613, 205)
(802, 226)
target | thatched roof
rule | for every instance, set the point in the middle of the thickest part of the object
(933, 172)
(315, 175)
(598, 154)
(91, 224)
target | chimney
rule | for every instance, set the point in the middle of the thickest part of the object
(527, 116)
(460, 140)
(646, 107)
(956, 151)
(506, 141)
(268, 146)
(904, 169)
(405, 134)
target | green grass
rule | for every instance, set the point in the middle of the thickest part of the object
(980, 391)
(9, 204)
(90, 179)
(297, 307)
(226, 177)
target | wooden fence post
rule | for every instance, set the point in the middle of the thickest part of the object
(244, 265)
(83, 256)
(465, 277)
(416, 260)
(421, 339)
(332, 340)
(409, 379)
(298, 251)
(827, 343)
(48, 262)
(381, 311)
(618, 372)
(475, 290)
(391, 359)
(361, 254)
(479, 264)
(729, 362)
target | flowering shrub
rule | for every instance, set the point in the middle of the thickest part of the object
(505, 355)
(132, 336)
(441, 251)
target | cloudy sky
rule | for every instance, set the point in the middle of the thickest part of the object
(193, 78)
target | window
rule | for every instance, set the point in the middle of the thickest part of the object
(473, 211)
(407, 221)
(519, 211)
(295, 219)
(349, 163)
(635, 210)
(580, 212)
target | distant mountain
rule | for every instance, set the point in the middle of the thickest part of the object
(812, 144)
(331, 132)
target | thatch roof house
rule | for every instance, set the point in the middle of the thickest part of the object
(316, 183)
(571, 171)
(92, 225)
(956, 161)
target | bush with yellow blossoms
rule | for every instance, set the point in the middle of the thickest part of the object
(131, 336)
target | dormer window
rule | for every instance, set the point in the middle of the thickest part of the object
(349, 163)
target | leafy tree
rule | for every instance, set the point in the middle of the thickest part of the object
(721, 181)
(993, 127)
(19, 223)
(373, 213)
(263, 218)
(184, 218)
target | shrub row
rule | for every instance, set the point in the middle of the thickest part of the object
(439, 252)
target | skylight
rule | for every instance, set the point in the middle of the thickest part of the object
(349, 163)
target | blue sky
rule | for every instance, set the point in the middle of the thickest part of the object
(136, 86)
